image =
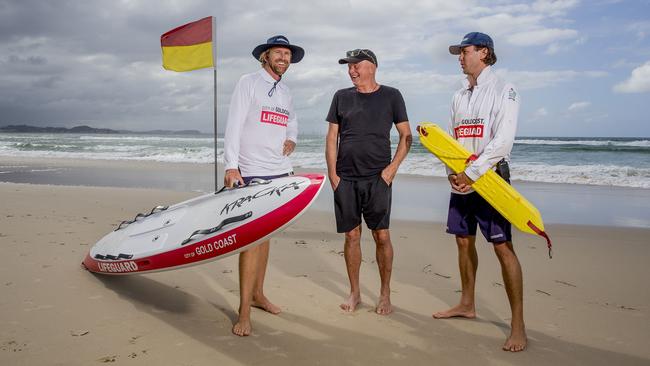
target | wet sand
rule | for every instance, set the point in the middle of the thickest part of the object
(415, 198)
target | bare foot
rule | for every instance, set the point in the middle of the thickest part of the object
(457, 311)
(242, 328)
(384, 307)
(516, 342)
(351, 303)
(263, 303)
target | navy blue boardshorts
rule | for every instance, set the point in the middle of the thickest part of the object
(468, 210)
(265, 177)
(370, 197)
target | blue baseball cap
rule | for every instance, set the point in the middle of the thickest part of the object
(297, 52)
(472, 39)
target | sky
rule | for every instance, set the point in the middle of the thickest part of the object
(582, 68)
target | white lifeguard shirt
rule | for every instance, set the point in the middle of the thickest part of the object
(484, 121)
(258, 125)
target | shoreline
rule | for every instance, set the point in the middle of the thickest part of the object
(207, 170)
(579, 308)
(419, 198)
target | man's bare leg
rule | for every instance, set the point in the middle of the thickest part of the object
(468, 265)
(259, 299)
(352, 253)
(384, 256)
(247, 277)
(513, 279)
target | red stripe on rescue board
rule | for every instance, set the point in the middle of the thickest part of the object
(216, 246)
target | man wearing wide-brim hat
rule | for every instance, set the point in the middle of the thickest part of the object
(261, 133)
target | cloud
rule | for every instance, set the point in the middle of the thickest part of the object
(506, 24)
(542, 79)
(597, 117)
(538, 114)
(541, 36)
(578, 106)
(526, 25)
(641, 29)
(110, 72)
(422, 82)
(638, 82)
(99, 61)
(623, 63)
(541, 112)
(554, 7)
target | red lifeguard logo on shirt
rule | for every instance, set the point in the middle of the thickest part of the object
(275, 116)
(470, 128)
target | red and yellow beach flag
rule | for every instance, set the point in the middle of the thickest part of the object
(188, 47)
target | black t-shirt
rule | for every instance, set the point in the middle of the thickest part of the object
(365, 121)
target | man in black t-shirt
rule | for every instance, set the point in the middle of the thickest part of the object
(360, 168)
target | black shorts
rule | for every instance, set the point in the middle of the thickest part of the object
(370, 197)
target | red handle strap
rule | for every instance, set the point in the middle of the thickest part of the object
(544, 235)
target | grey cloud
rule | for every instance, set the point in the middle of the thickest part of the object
(98, 62)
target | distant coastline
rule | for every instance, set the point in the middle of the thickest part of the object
(91, 130)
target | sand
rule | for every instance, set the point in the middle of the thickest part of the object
(588, 305)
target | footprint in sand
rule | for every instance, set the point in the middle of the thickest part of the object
(13, 346)
(108, 359)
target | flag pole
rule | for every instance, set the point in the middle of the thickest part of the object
(216, 174)
(214, 68)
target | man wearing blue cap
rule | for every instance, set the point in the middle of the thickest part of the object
(261, 133)
(484, 116)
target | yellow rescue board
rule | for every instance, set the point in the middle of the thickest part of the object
(496, 191)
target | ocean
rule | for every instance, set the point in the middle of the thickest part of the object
(623, 162)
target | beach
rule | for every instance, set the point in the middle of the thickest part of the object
(587, 305)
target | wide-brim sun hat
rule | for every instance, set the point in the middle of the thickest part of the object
(297, 53)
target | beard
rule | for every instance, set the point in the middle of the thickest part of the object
(277, 69)
(274, 65)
